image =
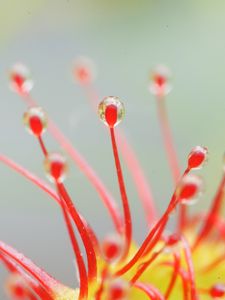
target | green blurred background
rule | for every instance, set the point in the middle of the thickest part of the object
(125, 39)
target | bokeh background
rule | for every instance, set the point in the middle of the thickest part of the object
(126, 39)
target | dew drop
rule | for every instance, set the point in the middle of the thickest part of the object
(111, 111)
(35, 120)
(112, 247)
(20, 80)
(56, 167)
(118, 289)
(159, 84)
(189, 189)
(217, 290)
(197, 157)
(16, 287)
(84, 70)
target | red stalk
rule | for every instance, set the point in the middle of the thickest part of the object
(213, 212)
(42, 145)
(89, 247)
(83, 291)
(83, 166)
(129, 156)
(174, 275)
(160, 225)
(188, 258)
(145, 265)
(46, 188)
(123, 193)
(150, 291)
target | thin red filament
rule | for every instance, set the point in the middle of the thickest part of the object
(123, 193)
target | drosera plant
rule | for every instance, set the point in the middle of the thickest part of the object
(176, 265)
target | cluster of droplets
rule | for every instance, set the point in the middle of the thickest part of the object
(111, 112)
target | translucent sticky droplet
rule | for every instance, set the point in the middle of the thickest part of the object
(16, 287)
(217, 290)
(56, 167)
(112, 247)
(118, 289)
(159, 85)
(189, 189)
(197, 157)
(172, 242)
(20, 80)
(35, 119)
(111, 111)
(84, 70)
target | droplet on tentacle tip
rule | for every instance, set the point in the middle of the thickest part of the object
(160, 77)
(16, 288)
(172, 242)
(197, 157)
(111, 111)
(56, 167)
(189, 189)
(84, 70)
(112, 248)
(217, 291)
(117, 289)
(35, 119)
(20, 80)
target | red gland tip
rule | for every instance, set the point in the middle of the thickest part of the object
(112, 247)
(189, 189)
(217, 290)
(56, 167)
(197, 157)
(160, 81)
(111, 111)
(84, 70)
(16, 287)
(118, 289)
(35, 120)
(172, 239)
(20, 80)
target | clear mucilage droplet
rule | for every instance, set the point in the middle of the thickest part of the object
(197, 157)
(189, 189)
(160, 77)
(111, 111)
(20, 80)
(56, 168)
(35, 119)
(112, 248)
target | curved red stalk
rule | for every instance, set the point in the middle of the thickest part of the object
(150, 291)
(42, 145)
(42, 185)
(47, 282)
(188, 258)
(184, 277)
(174, 275)
(160, 225)
(213, 212)
(129, 156)
(83, 166)
(123, 193)
(170, 150)
(99, 292)
(145, 265)
(89, 247)
(167, 138)
(83, 291)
